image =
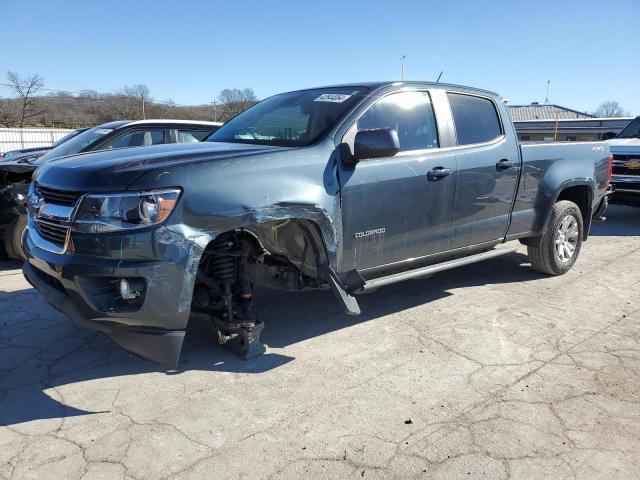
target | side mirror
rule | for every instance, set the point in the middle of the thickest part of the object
(608, 135)
(375, 143)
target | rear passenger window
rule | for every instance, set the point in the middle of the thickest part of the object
(192, 136)
(408, 113)
(475, 118)
(136, 138)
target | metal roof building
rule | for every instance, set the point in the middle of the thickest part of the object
(544, 111)
(547, 122)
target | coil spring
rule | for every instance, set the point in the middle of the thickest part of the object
(224, 267)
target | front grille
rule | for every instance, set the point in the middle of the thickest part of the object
(621, 186)
(619, 162)
(60, 197)
(52, 231)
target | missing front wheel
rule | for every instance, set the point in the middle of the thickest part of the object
(225, 293)
(245, 342)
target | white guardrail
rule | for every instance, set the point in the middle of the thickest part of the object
(18, 138)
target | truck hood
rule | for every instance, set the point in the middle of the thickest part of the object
(113, 170)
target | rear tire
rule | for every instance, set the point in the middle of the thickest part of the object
(13, 238)
(560, 244)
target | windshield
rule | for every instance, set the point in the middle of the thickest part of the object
(77, 143)
(68, 136)
(294, 119)
(632, 130)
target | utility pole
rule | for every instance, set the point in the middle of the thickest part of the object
(143, 114)
(546, 98)
(215, 112)
(402, 59)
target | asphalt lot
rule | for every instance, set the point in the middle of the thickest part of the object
(490, 371)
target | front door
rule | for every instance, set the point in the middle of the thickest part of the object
(398, 208)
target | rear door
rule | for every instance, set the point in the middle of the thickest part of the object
(488, 165)
(393, 209)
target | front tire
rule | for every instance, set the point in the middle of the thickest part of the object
(13, 238)
(560, 244)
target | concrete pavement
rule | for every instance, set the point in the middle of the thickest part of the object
(489, 371)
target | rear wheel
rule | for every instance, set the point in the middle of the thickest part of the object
(13, 238)
(560, 244)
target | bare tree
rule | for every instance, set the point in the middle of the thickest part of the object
(89, 107)
(130, 102)
(89, 95)
(235, 100)
(140, 93)
(8, 114)
(611, 109)
(25, 89)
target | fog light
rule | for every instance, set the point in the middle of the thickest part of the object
(128, 292)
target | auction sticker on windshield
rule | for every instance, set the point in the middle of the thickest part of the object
(332, 97)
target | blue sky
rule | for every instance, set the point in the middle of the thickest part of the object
(188, 51)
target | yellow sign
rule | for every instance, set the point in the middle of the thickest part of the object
(632, 164)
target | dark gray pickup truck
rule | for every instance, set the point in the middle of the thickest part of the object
(346, 188)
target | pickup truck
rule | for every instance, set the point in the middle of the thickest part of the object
(625, 148)
(345, 188)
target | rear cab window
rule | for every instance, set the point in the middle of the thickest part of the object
(476, 119)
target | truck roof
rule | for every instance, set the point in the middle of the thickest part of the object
(377, 85)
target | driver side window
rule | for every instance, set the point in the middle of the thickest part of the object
(410, 114)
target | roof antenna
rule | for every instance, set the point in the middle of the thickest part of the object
(546, 98)
(439, 76)
(402, 59)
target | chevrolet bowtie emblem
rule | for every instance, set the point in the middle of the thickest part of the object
(632, 164)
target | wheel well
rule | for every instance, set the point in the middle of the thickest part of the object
(581, 196)
(295, 242)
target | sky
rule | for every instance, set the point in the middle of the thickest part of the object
(190, 50)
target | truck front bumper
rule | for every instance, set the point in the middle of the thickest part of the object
(86, 288)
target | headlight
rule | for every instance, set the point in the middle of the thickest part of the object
(123, 211)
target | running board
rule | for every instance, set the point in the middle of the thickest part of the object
(438, 267)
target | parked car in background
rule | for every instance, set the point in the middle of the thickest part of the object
(347, 188)
(625, 148)
(16, 172)
(30, 154)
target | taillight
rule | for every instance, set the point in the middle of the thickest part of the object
(610, 169)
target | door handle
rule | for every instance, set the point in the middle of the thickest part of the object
(504, 164)
(438, 173)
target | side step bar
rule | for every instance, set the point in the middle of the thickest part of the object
(438, 267)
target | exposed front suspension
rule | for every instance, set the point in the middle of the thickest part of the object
(225, 292)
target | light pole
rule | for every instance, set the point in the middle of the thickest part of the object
(402, 59)
(546, 98)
